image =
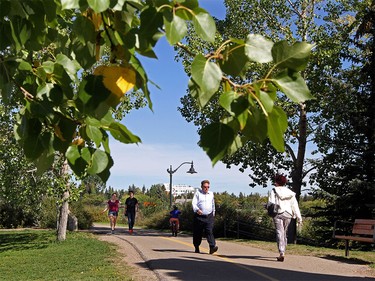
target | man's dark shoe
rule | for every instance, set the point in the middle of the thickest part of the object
(213, 249)
(197, 250)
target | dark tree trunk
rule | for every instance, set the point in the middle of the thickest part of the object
(297, 173)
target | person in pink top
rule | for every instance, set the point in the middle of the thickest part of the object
(113, 206)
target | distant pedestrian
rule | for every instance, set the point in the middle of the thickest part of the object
(113, 206)
(287, 209)
(175, 218)
(204, 217)
(131, 207)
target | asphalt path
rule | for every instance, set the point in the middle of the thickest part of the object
(159, 256)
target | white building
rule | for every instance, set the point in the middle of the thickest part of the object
(180, 189)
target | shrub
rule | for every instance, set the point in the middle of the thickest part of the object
(48, 213)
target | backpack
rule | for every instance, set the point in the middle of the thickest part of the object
(272, 208)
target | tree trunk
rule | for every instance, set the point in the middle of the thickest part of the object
(63, 217)
(64, 208)
(297, 173)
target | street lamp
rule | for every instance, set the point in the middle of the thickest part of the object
(171, 172)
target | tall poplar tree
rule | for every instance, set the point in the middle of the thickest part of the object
(329, 25)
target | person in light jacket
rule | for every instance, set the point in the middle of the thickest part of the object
(288, 209)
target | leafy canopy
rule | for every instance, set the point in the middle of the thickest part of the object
(49, 63)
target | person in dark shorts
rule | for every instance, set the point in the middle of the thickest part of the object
(113, 206)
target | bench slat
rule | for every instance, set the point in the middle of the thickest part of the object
(365, 227)
(356, 238)
(363, 221)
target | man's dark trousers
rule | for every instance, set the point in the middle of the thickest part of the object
(203, 223)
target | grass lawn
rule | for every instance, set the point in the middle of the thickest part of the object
(36, 255)
(361, 257)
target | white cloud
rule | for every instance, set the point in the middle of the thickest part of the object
(146, 164)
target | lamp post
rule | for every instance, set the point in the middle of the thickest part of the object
(171, 172)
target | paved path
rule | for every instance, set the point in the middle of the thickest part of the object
(158, 256)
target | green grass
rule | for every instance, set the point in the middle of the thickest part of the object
(36, 255)
(355, 256)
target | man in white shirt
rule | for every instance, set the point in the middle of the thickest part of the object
(204, 214)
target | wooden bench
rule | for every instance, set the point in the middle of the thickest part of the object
(362, 230)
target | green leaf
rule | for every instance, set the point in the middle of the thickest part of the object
(195, 91)
(142, 79)
(105, 142)
(77, 163)
(24, 65)
(29, 132)
(86, 154)
(258, 48)
(277, 123)
(121, 133)
(105, 174)
(67, 128)
(99, 5)
(256, 126)
(92, 95)
(60, 75)
(234, 61)
(93, 122)
(207, 75)
(234, 103)
(294, 57)
(293, 85)
(204, 25)
(216, 139)
(175, 27)
(71, 67)
(72, 154)
(266, 100)
(99, 161)
(266, 94)
(151, 22)
(45, 160)
(95, 134)
(236, 145)
(70, 4)
(84, 30)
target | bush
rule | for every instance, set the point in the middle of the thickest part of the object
(86, 214)
(48, 213)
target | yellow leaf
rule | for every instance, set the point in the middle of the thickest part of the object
(78, 141)
(58, 133)
(117, 79)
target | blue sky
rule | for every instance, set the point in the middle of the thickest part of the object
(167, 138)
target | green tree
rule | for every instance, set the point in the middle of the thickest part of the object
(347, 137)
(325, 24)
(20, 189)
(52, 64)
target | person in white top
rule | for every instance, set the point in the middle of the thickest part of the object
(204, 214)
(288, 209)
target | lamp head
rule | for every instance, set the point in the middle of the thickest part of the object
(191, 170)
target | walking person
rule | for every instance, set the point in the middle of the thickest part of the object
(112, 207)
(131, 207)
(204, 217)
(175, 218)
(287, 209)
